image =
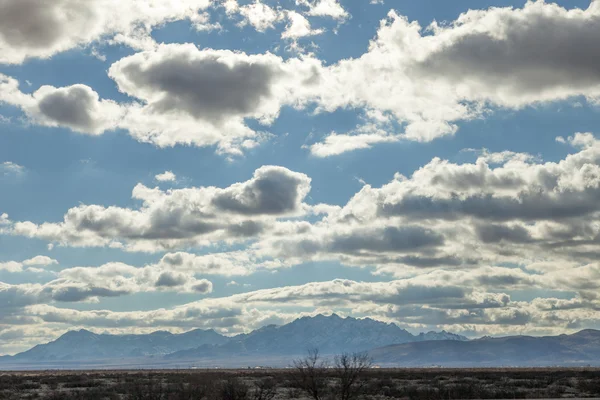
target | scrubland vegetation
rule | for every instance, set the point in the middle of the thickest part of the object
(265, 384)
(346, 377)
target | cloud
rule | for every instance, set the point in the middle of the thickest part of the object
(232, 263)
(298, 27)
(259, 15)
(426, 80)
(91, 283)
(466, 301)
(8, 168)
(202, 97)
(474, 301)
(29, 29)
(16, 266)
(325, 8)
(502, 208)
(40, 261)
(429, 79)
(76, 107)
(376, 128)
(272, 190)
(182, 217)
(166, 176)
(11, 266)
(505, 55)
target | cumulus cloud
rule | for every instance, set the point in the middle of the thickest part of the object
(76, 107)
(166, 176)
(324, 8)
(432, 78)
(30, 29)
(40, 261)
(298, 26)
(202, 97)
(259, 15)
(504, 207)
(182, 217)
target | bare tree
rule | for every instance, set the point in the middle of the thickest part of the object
(349, 369)
(310, 374)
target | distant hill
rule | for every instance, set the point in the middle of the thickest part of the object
(330, 334)
(86, 345)
(581, 348)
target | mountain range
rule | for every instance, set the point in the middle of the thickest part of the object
(330, 334)
(388, 345)
(579, 349)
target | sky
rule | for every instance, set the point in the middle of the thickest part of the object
(224, 164)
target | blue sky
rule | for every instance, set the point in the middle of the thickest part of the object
(323, 156)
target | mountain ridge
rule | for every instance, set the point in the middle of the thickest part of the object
(580, 348)
(331, 334)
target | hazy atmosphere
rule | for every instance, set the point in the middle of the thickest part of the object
(231, 164)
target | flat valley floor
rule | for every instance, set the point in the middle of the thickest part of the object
(272, 384)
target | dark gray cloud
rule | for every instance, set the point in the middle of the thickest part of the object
(78, 293)
(529, 52)
(493, 233)
(533, 205)
(208, 85)
(417, 294)
(206, 88)
(72, 107)
(203, 286)
(38, 24)
(388, 239)
(272, 190)
(170, 279)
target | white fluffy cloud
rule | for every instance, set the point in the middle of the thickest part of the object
(259, 15)
(376, 128)
(92, 283)
(37, 261)
(76, 107)
(298, 27)
(324, 8)
(166, 176)
(29, 28)
(499, 57)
